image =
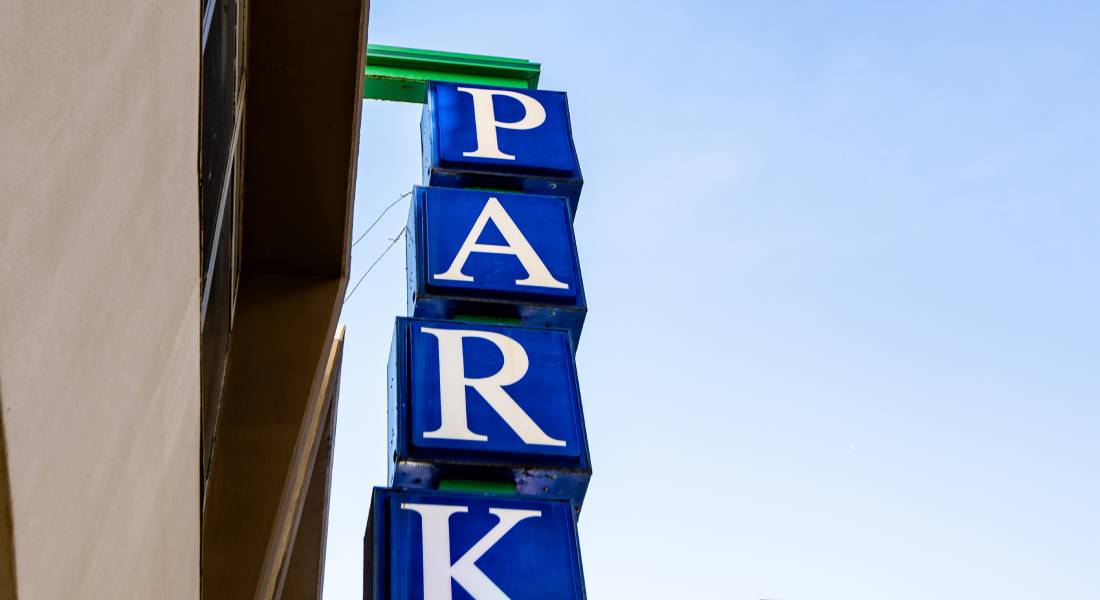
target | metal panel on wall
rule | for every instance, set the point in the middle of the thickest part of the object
(501, 138)
(486, 402)
(439, 546)
(475, 252)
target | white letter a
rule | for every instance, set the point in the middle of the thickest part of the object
(517, 245)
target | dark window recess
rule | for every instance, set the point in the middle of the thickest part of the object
(217, 201)
(219, 94)
(215, 329)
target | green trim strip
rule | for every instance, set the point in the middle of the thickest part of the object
(401, 74)
(487, 319)
(469, 485)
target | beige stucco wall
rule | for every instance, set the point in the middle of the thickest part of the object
(99, 297)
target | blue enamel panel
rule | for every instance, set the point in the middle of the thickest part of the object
(547, 392)
(443, 221)
(543, 447)
(536, 558)
(543, 221)
(481, 136)
(546, 148)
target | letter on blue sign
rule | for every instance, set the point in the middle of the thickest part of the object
(486, 123)
(432, 545)
(436, 537)
(515, 244)
(505, 399)
(485, 137)
(453, 383)
(494, 254)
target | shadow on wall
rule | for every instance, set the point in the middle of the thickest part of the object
(7, 541)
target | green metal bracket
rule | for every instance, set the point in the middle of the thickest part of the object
(488, 320)
(401, 74)
(485, 487)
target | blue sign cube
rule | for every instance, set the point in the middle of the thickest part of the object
(438, 546)
(473, 252)
(489, 402)
(477, 136)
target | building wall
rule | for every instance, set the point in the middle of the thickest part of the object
(99, 297)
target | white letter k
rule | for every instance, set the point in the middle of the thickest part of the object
(436, 537)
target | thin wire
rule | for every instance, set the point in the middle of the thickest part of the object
(384, 211)
(393, 242)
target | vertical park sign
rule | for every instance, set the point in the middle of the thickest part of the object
(488, 454)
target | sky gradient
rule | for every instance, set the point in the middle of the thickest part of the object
(841, 263)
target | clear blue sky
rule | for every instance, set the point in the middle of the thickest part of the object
(842, 268)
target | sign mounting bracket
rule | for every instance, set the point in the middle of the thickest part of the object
(401, 74)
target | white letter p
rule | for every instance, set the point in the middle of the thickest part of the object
(486, 123)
